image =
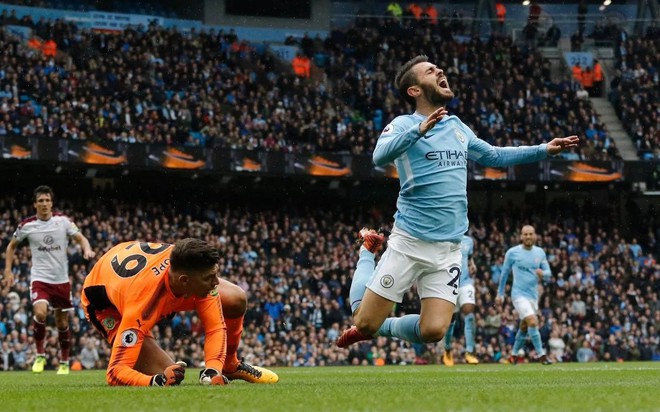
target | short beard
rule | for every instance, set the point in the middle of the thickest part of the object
(436, 99)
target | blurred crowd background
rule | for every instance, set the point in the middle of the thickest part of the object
(295, 262)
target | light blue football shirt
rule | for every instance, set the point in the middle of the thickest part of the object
(467, 249)
(523, 263)
(432, 202)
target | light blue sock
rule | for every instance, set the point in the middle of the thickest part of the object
(406, 328)
(449, 335)
(536, 340)
(363, 272)
(469, 332)
(521, 338)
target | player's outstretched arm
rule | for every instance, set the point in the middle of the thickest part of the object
(559, 144)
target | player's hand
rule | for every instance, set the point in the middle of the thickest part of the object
(428, 123)
(499, 300)
(210, 376)
(560, 144)
(539, 273)
(173, 375)
(89, 254)
(8, 279)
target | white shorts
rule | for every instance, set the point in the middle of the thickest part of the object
(434, 266)
(466, 295)
(525, 307)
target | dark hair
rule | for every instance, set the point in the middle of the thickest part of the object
(43, 190)
(405, 77)
(193, 255)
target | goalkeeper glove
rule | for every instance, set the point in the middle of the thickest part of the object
(173, 375)
(210, 376)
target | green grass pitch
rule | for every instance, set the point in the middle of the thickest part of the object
(531, 387)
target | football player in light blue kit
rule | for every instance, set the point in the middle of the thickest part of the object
(465, 304)
(430, 151)
(529, 265)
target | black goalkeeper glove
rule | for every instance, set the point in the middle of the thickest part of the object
(210, 376)
(173, 375)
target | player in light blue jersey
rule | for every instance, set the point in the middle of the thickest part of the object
(430, 151)
(466, 302)
(529, 265)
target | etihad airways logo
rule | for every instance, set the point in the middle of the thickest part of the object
(49, 248)
(527, 268)
(448, 157)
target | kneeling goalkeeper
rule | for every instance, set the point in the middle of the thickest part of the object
(136, 284)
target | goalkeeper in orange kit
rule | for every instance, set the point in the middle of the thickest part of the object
(136, 284)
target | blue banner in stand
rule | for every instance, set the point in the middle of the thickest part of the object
(24, 33)
(584, 58)
(118, 21)
(286, 53)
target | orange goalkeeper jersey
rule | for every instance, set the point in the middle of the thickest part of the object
(127, 292)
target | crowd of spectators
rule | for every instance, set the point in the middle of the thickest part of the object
(164, 86)
(159, 85)
(296, 262)
(635, 90)
(505, 92)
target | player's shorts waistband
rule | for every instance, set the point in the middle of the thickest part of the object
(449, 243)
(405, 242)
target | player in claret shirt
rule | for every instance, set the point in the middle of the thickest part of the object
(48, 235)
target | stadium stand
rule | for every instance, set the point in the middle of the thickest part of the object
(635, 93)
(224, 94)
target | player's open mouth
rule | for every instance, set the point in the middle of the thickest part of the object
(443, 83)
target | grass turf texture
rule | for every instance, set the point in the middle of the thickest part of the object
(633, 386)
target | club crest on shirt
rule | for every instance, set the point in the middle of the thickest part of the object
(387, 281)
(109, 323)
(48, 239)
(459, 135)
(129, 338)
(388, 129)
